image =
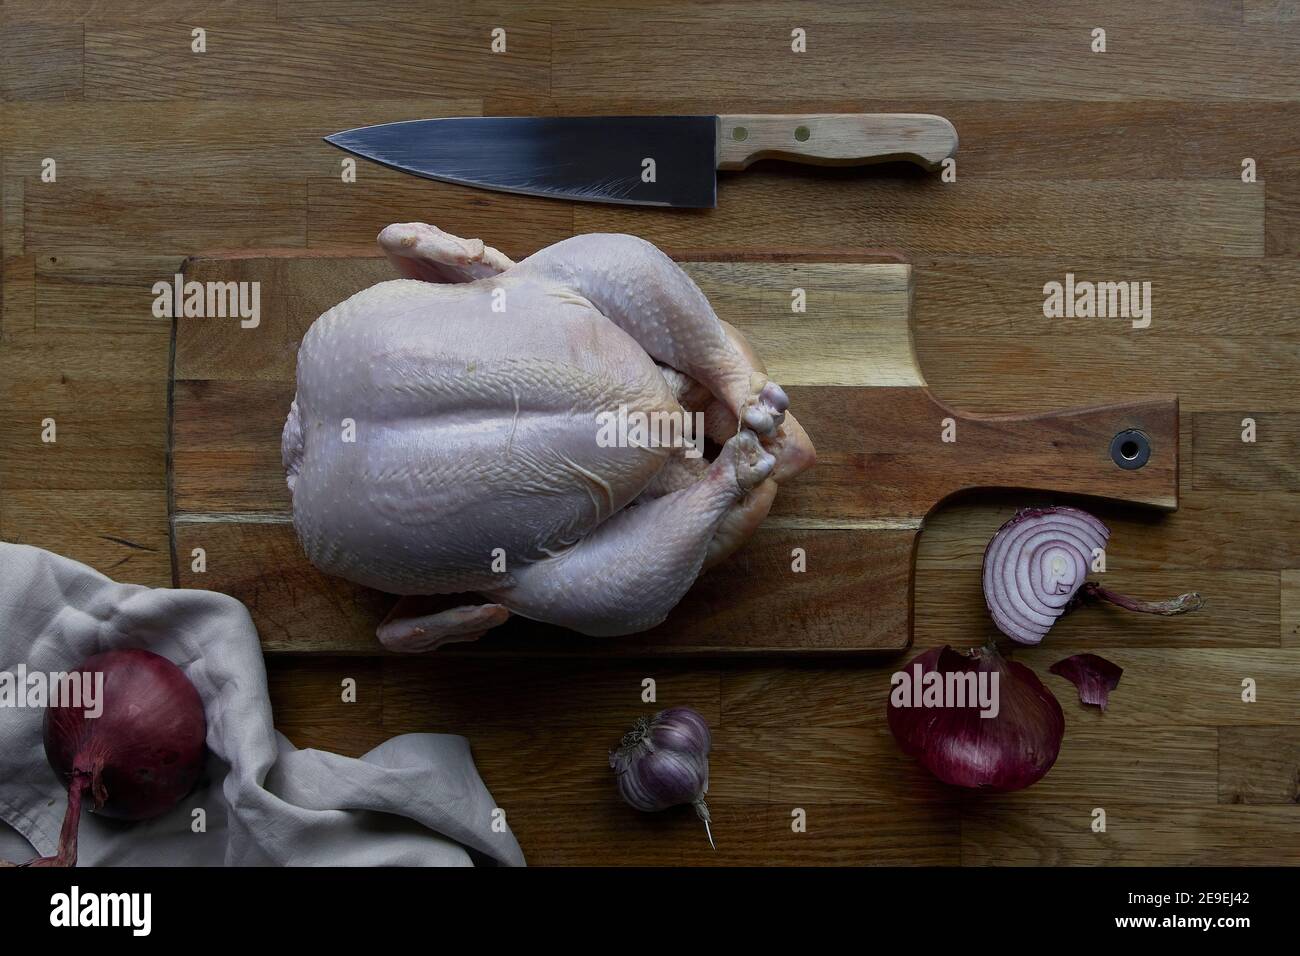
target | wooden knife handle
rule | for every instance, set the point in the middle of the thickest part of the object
(1074, 451)
(835, 139)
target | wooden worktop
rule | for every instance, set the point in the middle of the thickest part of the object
(1115, 166)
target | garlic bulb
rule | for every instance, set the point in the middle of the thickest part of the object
(664, 762)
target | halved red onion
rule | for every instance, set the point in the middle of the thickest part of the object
(1008, 751)
(1095, 677)
(1035, 564)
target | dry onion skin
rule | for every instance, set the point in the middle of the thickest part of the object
(1095, 677)
(1035, 570)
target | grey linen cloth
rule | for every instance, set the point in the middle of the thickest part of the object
(415, 800)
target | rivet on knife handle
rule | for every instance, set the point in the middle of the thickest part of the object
(835, 139)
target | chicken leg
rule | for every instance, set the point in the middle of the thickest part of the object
(648, 296)
(632, 570)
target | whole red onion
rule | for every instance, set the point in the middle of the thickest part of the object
(139, 756)
(1008, 751)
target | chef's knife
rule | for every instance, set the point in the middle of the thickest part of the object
(640, 160)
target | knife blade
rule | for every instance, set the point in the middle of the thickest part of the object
(639, 160)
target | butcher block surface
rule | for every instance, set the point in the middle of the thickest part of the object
(1117, 166)
(829, 571)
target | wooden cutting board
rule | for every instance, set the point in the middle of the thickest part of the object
(848, 365)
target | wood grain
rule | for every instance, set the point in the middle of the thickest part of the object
(1259, 765)
(1212, 531)
(839, 11)
(1225, 459)
(343, 216)
(1160, 836)
(1123, 165)
(42, 62)
(1242, 609)
(299, 610)
(981, 61)
(95, 11)
(1290, 616)
(834, 139)
(122, 533)
(1161, 687)
(313, 58)
(120, 140)
(1002, 299)
(1151, 219)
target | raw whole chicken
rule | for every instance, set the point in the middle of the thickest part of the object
(444, 439)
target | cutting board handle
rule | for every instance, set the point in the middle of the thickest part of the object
(835, 139)
(1128, 452)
